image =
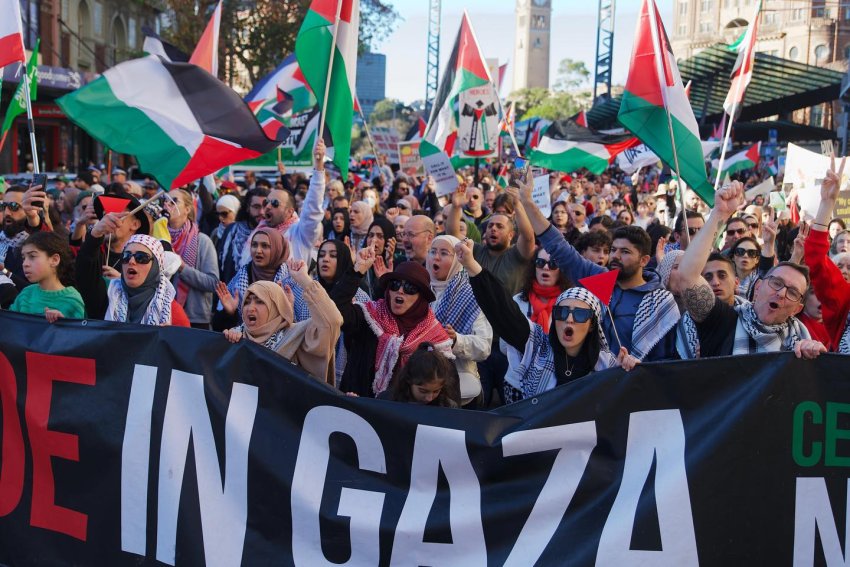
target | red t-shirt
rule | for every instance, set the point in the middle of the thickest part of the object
(178, 316)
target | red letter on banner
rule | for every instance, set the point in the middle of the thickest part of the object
(12, 457)
(42, 370)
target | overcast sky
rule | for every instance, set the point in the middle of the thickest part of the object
(573, 36)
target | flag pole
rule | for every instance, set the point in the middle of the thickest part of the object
(330, 72)
(366, 127)
(660, 71)
(727, 136)
(30, 122)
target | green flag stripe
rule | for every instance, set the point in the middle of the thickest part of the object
(97, 110)
(569, 161)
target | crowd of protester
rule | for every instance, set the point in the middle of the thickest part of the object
(380, 288)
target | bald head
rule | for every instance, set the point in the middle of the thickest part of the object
(416, 239)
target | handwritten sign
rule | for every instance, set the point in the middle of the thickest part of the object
(541, 196)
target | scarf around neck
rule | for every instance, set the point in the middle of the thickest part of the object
(752, 336)
(278, 253)
(542, 299)
(10, 243)
(158, 309)
(185, 242)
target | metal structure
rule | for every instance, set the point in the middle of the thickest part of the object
(604, 51)
(432, 71)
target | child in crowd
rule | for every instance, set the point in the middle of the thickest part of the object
(428, 378)
(48, 266)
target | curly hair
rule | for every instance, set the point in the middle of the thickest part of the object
(54, 245)
(424, 366)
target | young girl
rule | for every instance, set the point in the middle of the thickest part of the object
(428, 378)
(48, 266)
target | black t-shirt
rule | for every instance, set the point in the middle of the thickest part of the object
(717, 332)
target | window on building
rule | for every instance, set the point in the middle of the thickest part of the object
(131, 32)
(683, 29)
(793, 53)
(797, 14)
(683, 8)
(816, 116)
(705, 6)
(769, 18)
(705, 27)
(97, 19)
(821, 52)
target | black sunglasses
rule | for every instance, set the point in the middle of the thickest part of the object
(409, 288)
(733, 232)
(14, 207)
(139, 257)
(741, 252)
(580, 314)
(541, 263)
(273, 202)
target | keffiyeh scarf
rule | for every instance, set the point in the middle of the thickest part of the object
(656, 314)
(394, 348)
(240, 283)
(752, 336)
(7, 243)
(687, 337)
(159, 309)
(185, 240)
(844, 344)
(457, 306)
(234, 242)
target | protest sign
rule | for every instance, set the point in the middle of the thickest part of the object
(541, 195)
(805, 170)
(440, 168)
(410, 162)
(129, 445)
(386, 142)
(478, 130)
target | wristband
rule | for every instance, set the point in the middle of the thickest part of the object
(819, 224)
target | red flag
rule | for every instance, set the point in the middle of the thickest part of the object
(601, 285)
(11, 33)
(113, 204)
(422, 127)
(206, 52)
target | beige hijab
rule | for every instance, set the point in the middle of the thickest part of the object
(281, 312)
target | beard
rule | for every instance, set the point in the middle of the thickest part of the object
(626, 272)
(14, 228)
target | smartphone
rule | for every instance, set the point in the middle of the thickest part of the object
(521, 169)
(39, 179)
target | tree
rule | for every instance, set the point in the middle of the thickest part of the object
(260, 33)
(558, 106)
(571, 75)
(524, 99)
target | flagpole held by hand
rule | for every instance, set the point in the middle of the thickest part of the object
(31, 124)
(330, 71)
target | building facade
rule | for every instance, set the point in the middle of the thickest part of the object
(371, 80)
(815, 32)
(533, 41)
(79, 40)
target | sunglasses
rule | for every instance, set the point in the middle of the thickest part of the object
(407, 287)
(733, 232)
(755, 225)
(273, 202)
(139, 257)
(13, 207)
(580, 314)
(741, 252)
(541, 263)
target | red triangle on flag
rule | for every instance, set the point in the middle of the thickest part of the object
(601, 285)
(113, 204)
(422, 127)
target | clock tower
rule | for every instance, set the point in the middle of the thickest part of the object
(531, 52)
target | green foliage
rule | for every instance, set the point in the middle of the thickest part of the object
(561, 102)
(571, 75)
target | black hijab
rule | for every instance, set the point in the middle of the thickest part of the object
(344, 263)
(138, 298)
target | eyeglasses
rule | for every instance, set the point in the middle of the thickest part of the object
(754, 225)
(440, 253)
(410, 234)
(750, 253)
(139, 257)
(791, 293)
(407, 287)
(13, 207)
(733, 232)
(580, 314)
(541, 263)
(273, 202)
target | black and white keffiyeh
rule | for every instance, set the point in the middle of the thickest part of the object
(844, 344)
(240, 283)
(234, 243)
(158, 311)
(656, 314)
(752, 336)
(7, 243)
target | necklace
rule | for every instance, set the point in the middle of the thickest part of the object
(569, 371)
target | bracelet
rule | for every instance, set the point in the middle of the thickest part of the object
(819, 224)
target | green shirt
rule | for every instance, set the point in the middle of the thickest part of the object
(33, 300)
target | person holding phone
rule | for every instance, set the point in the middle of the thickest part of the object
(21, 214)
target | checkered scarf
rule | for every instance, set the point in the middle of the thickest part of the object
(240, 283)
(159, 309)
(234, 242)
(457, 306)
(753, 336)
(687, 337)
(844, 345)
(7, 243)
(185, 241)
(656, 314)
(394, 348)
(532, 371)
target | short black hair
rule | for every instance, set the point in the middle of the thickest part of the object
(602, 219)
(718, 257)
(680, 221)
(591, 239)
(799, 267)
(243, 214)
(637, 236)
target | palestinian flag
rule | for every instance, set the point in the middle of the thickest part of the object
(18, 105)
(748, 159)
(464, 71)
(184, 124)
(742, 73)
(11, 33)
(155, 45)
(205, 55)
(566, 146)
(654, 89)
(503, 179)
(314, 48)
(282, 91)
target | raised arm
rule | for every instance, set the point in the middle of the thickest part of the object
(455, 210)
(525, 239)
(689, 282)
(308, 229)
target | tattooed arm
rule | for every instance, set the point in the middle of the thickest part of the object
(688, 280)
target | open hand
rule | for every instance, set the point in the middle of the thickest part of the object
(228, 302)
(832, 182)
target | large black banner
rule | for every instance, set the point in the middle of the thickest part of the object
(129, 445)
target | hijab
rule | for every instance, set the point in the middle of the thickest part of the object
(278, 254)
(281, 313)
(437, 285)
(368, 216)
(148, 304)
(415, 315)
(139, 298)
(344, 263)
(385, 225)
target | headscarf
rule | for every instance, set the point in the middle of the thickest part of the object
(278, 253)
(229, 202)
(593, 302)
(455, 304)
(385, 225)
(665, 266)
(331, 234)
(437, 285)
(359, 231)
(281, 313)
(148, 304)
(344, 263)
